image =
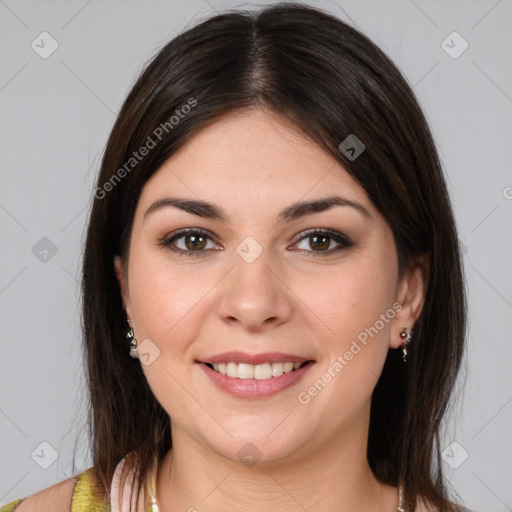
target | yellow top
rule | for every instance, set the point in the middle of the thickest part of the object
(84, 497)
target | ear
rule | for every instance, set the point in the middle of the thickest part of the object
(121, 274)
(410, 295)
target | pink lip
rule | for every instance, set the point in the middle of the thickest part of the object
(241, 357)
(254, 388)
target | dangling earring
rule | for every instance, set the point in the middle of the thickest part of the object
(407, 339)
(132, 343)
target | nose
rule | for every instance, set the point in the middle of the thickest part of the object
(254, 295)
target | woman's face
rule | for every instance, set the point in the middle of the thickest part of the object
(270, 286)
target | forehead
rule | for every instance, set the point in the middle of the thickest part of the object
(252, 157)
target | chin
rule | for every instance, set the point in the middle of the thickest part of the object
(259, 449)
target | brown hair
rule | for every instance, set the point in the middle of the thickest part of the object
(331, 81)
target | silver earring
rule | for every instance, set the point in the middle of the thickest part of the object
(132, 343)
(406, 337)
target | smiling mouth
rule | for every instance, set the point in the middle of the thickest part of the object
(263, 371)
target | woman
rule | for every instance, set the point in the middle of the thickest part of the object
(272, 242)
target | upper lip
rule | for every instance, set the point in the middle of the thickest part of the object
(265, 357)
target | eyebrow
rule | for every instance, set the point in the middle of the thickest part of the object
(290, 213)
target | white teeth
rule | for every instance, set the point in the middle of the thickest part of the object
(245, 371)
(232, 370)
(263, 371)
(277, 369)
(287, 367)
(259, 371)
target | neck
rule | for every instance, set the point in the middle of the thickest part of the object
(334, 477)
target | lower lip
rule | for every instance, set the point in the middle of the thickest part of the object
(254, 388)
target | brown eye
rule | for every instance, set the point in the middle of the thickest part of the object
(194, 242)
(319, 241)
(191, 242)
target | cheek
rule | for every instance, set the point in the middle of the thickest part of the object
(356, 307)
(167, 300)
(167, 309)
(349, 299)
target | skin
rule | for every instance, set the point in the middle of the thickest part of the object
(313, 456)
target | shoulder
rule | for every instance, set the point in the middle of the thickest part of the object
(56, 498)
(76, 494)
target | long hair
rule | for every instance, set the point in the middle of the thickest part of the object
(332, 82)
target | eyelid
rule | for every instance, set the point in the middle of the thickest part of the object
(168, 240)
(339, 237)
(187, 231)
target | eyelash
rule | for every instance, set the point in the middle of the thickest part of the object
(342, 239)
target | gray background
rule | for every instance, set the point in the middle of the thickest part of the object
(56, 114)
